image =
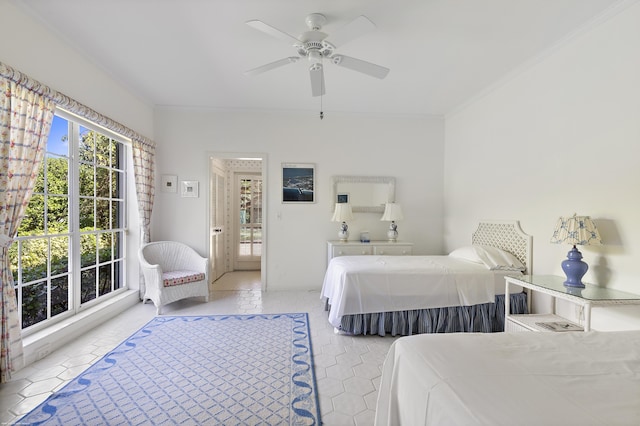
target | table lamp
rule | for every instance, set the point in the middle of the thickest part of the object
(392, 212)
(342, 213)
(575, 230)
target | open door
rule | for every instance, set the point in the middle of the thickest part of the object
(216, 225)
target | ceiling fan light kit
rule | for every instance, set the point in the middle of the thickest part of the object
(314, 46)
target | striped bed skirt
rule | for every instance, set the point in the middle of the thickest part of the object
(485, 318)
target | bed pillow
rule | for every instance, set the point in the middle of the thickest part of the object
(468, 253)
(492, 257)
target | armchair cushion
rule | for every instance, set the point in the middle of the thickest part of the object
(171, 278)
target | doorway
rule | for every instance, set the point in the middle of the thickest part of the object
(237, 205)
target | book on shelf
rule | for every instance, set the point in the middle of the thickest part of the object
(560, 326)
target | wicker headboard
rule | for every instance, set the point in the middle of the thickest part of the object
(508, 236)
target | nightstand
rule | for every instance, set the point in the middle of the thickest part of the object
(553, 285)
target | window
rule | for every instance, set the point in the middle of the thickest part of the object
(69, 253)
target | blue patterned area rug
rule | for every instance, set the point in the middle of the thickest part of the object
(204, 370)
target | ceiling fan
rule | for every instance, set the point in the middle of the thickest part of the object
(315, 46)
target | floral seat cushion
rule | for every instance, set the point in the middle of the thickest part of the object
(172, 278)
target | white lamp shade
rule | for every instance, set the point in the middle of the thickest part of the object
(392, 212)
(576, 230)
(342, 212)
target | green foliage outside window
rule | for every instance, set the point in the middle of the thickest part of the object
(44, 259)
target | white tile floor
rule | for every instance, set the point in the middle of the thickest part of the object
(347, 368)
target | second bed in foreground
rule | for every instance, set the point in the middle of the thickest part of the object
(571, 378)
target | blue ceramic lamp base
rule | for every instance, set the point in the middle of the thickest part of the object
(574, 268)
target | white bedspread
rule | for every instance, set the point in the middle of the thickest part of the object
(523, 378)
(367, 284)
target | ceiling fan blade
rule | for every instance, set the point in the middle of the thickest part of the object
(272, 31)
(317, 80)
(272, 65)
(354, 29)
(361, 66)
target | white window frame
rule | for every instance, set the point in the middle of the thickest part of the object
(75, 305)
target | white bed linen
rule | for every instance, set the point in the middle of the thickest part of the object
(368, 284)
(523, 378)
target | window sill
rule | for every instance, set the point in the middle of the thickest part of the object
(42, 343)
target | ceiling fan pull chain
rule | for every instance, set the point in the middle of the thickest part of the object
(321, 113)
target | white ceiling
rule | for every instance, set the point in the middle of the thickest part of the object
(193, 53)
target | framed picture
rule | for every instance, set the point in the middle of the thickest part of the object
(298, 183)
(190, 188)
(342, 198)
(169, 183)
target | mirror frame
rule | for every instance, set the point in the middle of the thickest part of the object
(389, 181)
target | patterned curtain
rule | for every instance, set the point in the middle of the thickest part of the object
(25, 121)
(144, 170)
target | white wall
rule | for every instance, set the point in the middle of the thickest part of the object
(559, 138)
(29, 47)
(407, 148)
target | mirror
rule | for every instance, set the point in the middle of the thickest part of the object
(365, 193)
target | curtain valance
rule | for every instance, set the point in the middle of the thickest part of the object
(71, 105)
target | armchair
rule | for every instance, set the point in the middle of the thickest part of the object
(172, 271)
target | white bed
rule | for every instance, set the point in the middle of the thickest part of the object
(531, 378)
(372, 294)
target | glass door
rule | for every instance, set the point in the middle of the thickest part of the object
(249, 220)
